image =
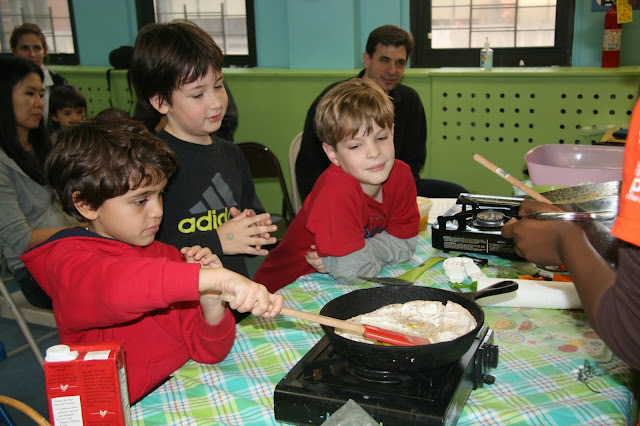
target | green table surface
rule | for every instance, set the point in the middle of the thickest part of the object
(553, 369)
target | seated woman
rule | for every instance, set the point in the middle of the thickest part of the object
(29, 213)
(28, 41)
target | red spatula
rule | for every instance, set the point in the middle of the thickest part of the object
(379, 334)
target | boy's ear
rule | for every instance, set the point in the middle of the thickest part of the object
(331, 153)
(54, 117)
(162, 106)
(87, 211)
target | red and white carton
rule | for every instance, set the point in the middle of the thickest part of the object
(87, 384)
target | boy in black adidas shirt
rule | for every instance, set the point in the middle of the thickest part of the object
(211, 201)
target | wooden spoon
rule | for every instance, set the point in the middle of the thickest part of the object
(382, 335)
(513, 181)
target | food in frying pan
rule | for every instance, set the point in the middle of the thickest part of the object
(434, 320)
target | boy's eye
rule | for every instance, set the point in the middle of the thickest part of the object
(141, 202)
(196, 96)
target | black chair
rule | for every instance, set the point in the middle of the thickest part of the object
(263, 163)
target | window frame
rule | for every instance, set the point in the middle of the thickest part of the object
(146, 15)
(423, 56)
(67, 58)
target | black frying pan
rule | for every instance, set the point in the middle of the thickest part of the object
(405, 358)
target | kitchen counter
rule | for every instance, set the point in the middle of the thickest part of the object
(553, 369)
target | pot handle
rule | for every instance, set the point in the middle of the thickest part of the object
(493, 290)
(574, 216)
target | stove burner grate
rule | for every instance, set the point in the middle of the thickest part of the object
(474, 226)
(489, 219)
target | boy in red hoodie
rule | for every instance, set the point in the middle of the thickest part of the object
(113, 281)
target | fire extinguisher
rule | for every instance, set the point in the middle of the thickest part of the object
(612, 39)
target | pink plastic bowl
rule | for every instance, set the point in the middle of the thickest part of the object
(572, 165)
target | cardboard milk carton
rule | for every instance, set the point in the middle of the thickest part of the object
(87, 384)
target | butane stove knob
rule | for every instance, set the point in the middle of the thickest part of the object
(488, 379)
(493, 352)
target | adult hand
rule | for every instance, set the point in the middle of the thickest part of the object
(540, 241)
(243, 234)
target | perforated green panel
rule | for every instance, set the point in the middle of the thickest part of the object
(502, 116)
(92, 82)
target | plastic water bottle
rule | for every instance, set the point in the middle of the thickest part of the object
(486, 57)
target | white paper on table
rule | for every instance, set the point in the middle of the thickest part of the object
(533, 294)
(440, 207)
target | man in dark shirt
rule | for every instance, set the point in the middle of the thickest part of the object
(385, 61)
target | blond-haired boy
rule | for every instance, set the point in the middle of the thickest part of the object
(361, 214)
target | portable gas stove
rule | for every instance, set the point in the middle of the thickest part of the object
(474, 225)
(322, 382)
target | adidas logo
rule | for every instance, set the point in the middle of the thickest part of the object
(207, 222)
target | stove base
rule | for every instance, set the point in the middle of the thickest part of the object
(309, 395)
(473, 242)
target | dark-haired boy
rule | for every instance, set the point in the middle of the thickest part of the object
(112, 281)
(362, 213)
(176, 70)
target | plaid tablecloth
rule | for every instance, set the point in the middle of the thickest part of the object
(550, 368)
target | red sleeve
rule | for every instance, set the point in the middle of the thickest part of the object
(627, 225)
(402, 211)
(101, 290)
(208, 344)
(338, 215)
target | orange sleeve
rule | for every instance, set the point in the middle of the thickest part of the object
(627, 225)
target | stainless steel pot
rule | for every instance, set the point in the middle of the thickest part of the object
(594, 208)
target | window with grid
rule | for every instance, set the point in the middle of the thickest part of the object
(230, 23)
(53, 18)
(450, 33)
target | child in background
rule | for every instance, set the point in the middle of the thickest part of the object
(362, 213)
(113, 281)
(211, 201)
(67, 105)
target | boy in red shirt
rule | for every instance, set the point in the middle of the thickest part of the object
(361, 214)
(113, 281)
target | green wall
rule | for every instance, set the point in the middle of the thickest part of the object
(500, 115)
